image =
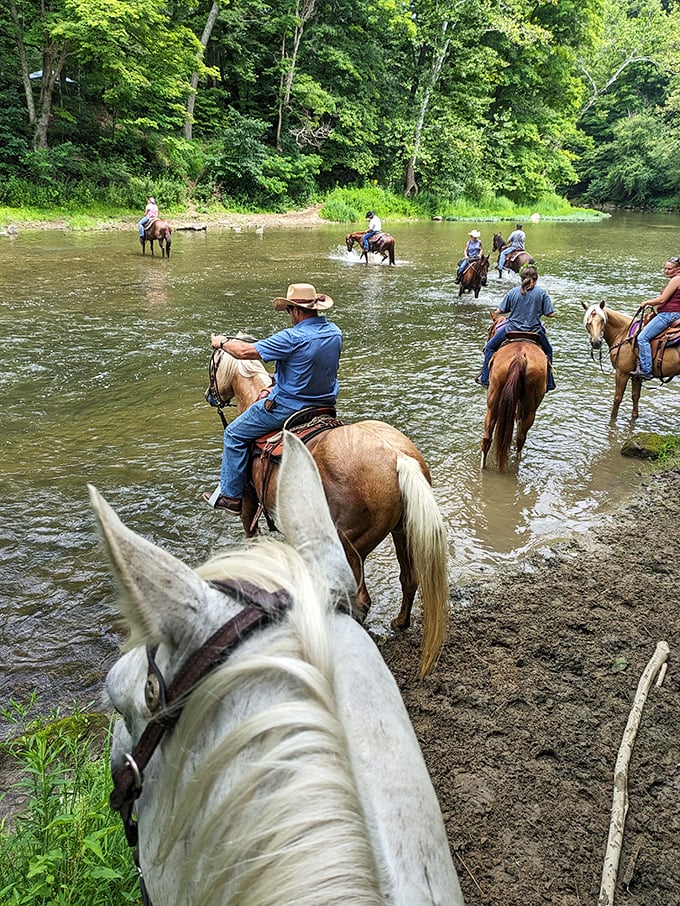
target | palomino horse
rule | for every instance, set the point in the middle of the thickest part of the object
(474, 276)
(618, 331)
(377, 483)
(381, 244)
(275, 759)
(515, 261)
(517, 384)
(157, 230)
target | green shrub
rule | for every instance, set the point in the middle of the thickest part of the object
(65, 847)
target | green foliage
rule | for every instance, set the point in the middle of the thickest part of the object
(65, 847)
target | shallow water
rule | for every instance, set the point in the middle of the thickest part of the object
(105, 364)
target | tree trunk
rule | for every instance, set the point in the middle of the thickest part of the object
(23, 61)
(191, 100)
(410, 186)
(303, 15)
(54, 58)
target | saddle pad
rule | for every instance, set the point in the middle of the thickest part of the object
(522, 335)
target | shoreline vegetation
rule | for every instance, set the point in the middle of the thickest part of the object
(346, 206)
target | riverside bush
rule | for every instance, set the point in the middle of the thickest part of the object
(65, 847)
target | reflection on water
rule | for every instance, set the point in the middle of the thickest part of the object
(104, 369)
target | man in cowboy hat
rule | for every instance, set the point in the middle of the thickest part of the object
(307, 356)
(473, 249)
(374, 227)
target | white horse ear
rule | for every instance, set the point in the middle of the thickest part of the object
(303, 516)
(156, 589)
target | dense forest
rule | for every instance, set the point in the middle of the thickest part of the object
(274, 103)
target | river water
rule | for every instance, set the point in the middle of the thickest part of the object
(104, 366)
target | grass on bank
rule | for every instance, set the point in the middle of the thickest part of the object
(339, 206)
(64, 846)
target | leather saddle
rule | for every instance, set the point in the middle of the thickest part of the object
(305, 424)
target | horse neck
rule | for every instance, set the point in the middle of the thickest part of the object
(247, 387)
(616, 327)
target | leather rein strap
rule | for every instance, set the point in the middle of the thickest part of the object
(261, 608)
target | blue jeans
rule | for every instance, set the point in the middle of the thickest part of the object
(503, 255)
(142, 223)
(659, 323)
(246, 427)
(369, 235)
(496, 342)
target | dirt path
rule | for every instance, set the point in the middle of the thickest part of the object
(522, 720)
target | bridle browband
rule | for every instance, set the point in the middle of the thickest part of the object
(261, 608)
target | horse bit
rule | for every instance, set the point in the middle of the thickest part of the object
(166, 703)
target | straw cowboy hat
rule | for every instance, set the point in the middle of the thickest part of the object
(304, 296)
(475, 234)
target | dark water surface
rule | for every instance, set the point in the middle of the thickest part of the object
(105, 362)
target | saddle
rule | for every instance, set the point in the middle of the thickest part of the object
(306, 424)
(151, 222)
(665, 340)
(512, 336)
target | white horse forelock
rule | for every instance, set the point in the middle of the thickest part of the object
(288, 827)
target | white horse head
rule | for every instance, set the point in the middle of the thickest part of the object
(595, 321)
(292, 776)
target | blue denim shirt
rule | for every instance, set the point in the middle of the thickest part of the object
(307, 357)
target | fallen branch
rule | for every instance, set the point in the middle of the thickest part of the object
(620, 797)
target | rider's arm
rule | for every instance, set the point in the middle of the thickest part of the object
(238, 348)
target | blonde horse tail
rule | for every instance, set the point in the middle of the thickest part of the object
(507, 408)
(428, 551)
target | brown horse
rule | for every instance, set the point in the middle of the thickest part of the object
(381, 244)
(517, 384)
(157, 230)
(474, 276)
(619, 331)
(515, 261)
(376, 483)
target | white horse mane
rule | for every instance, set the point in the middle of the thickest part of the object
(292, 821)
(229, 366)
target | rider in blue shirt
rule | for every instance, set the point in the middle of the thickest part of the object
(516, 241)
(525, 305)
(307, 357)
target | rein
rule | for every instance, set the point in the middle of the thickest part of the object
(167, 703)
(213, 395)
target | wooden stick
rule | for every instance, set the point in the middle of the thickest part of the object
(620, 797)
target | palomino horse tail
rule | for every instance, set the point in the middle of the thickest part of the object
(508, 401)
(427, 547)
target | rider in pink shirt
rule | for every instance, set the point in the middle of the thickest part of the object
(151, 210)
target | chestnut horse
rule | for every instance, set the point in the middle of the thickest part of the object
(515, 261)
(158, 230)
(517, 383)
(263, 754)
(474, 276)
(381, 244)
(377, 483)
(618, 331)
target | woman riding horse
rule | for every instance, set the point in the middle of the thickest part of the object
(474, 276)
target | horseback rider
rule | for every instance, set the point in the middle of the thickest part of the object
(150, 213)
(374, 226)
(516, 241)
(525, 305)
(307, 356)
(473, 251)
(667, 305)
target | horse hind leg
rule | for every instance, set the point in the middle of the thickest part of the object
(407, 578)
